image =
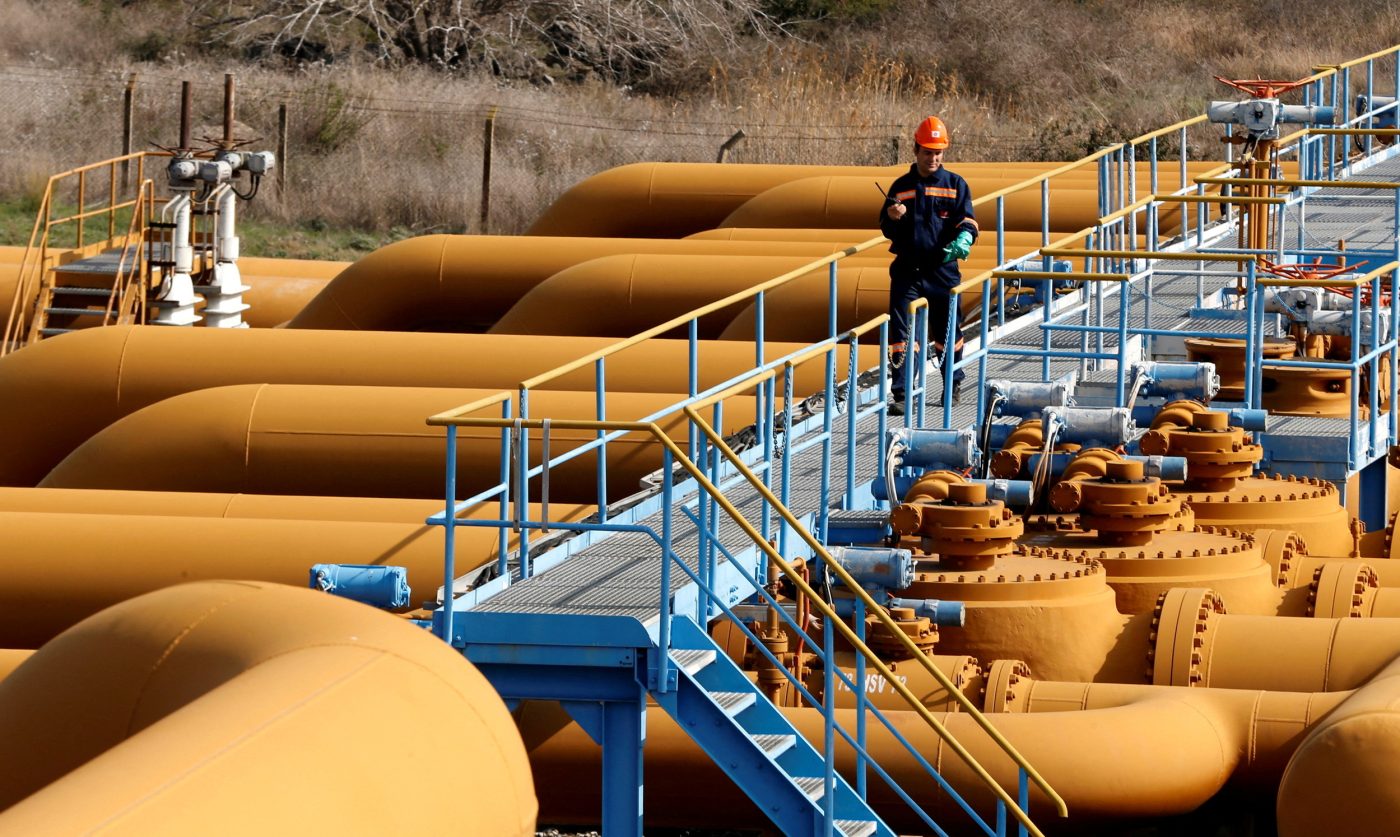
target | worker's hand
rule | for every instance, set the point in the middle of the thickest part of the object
(959, 248)
(895, 211)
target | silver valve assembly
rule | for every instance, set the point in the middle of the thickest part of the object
(1261, 118)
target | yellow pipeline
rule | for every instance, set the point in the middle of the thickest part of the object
(1138, 752)
(57, 393)
(465, 283)
(353, 441)
(61, 568)
(663, 200)
(1336, 781)
(625, 295)
(249, 708)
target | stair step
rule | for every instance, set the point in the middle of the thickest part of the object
(733, 702)
(855, 828)
(774, 745)
(74, 291)
(811, 785)
(75, 312)
(692, 660)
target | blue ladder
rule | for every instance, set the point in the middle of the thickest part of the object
(723, 712)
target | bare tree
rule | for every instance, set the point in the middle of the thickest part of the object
(625, 41)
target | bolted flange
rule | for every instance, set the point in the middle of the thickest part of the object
(1008, 687)
(1126, 507)
(1182, 625)
(967, 531)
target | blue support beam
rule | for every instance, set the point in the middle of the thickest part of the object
(624, 735)
(1373, 498)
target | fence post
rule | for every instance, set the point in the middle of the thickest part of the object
(894, 151)
(488, 142)
(281, 147)
(729, 144)
(128, 110)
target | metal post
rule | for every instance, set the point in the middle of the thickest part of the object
(281, 147)
(829, 728)
(600, 406)
(693, 388)
(852, 404)
(503, 542)
(624, 735)
(522, 497)
(785, 482)
(664, 637)
(449, 533)
(488, 143)
(950, 349)
(860, 698)
(128, 118)
(728, 145)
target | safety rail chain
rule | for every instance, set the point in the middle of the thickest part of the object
(675, 455)
(26, 315)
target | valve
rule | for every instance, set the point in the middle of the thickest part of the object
(1261, 114)
(1028, 399)
(1106, 427)
(891, 568)
(1178, 380)
(372, 584)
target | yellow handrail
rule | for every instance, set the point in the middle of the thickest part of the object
(1268, 181)
(123, 284)
(30, 281)
(829, 615)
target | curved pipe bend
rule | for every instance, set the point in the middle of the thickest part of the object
(254, 708)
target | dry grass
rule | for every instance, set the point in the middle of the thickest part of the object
(401, 150)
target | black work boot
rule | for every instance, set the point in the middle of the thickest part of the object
(957, 394)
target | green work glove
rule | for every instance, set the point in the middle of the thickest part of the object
(959, 248)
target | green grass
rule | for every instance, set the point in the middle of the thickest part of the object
(273, 239)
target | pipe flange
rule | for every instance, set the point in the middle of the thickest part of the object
(1281, 548)
(967, 530)
(1342, 590)
(1008, 687)
(1126, 507)
(1182, 623)
(919, 629)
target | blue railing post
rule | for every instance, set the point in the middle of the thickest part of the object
(503, 539)
(522, 497)
(449, 557)
(664, 629)
(925, 354)
(1023, 798)
(693, 362)
(828, 420)
(1001, 255)
(600, 406)
(852, 405)
(829, 728)
(950, 353)
(881, 417)
(911, 337)
(860, 698)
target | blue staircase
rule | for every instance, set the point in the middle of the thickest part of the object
(723, 712)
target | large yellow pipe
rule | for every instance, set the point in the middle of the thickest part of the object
(61, 391)
(465, 283)
(625, 295)
(61, 568)
(1144, 753)
(847, 202)
(355, 441)
(1338, 780)
(248, 708)
(661, 200)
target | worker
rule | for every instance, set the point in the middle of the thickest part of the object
(927, 217)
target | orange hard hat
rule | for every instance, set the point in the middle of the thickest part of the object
(931, 133)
